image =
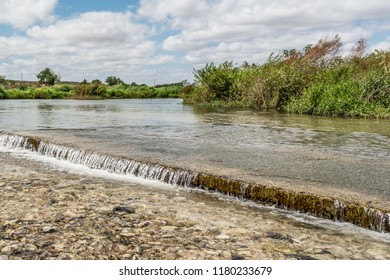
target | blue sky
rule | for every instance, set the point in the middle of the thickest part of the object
(162, 41)
(67, 8)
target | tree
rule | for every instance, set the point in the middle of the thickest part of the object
(2, 92)
(48, 77)
(112, 80)
(2, 80)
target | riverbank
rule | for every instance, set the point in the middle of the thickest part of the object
(52, 213)
(316, 80)
(34, 90)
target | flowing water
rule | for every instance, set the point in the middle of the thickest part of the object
(157, 139)
(346, 154)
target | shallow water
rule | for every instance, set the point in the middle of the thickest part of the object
(328, 155)
(350, 155)
(253, 232)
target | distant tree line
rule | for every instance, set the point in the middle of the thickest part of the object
(113, 87)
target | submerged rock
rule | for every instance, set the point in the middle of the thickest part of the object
(49, 229)
(123, 209)
(279, 236)
(237, 257)
(300, 257)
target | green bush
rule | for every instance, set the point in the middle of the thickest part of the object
(19, 94)
(217, 82)
(41, 93)
(167, 92)
(314, 80)
(63, 88)
(3, 94)
(90, 91)
(341, 94)
(376, 88)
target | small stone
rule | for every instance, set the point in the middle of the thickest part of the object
(325, 252)
(201, 245)
(168, 228)
(279, 236)
(53, 201)
(237, 231)
(214, 253)
(300, 257)
(3, 257)
(28, 247)
(85, 181)
(9, 189)
(123, 209)
(127, 232)
(49, 229)
(43, 243)
(7, 250)
(145, 224)
(222, 236)
(13, 224)
(245, 253)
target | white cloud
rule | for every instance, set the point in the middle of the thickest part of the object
(97, 44)
(250, 29)
(381, 46)
(132, 45)
(24, 13)
(161, 10)
(96, 28)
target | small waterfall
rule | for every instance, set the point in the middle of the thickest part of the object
(324, 207)
(15, 142)
(339, 210)
(378, 220)
(93, 160)
(366, 217)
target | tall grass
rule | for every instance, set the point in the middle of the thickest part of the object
(314, 80)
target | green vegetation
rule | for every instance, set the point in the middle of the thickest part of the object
(112, 80)
(88, 91)
(49, 87)
(98, 91)
(315, 80)
(48, 77)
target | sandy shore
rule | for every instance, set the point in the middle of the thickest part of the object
(55, 214)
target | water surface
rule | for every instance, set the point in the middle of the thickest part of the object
(350, 155)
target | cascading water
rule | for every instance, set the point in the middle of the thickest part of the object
(95, 160)
(325, 207)
(15, 141)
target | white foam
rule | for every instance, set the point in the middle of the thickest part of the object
(83, 170)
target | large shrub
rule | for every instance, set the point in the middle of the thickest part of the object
(217, 82)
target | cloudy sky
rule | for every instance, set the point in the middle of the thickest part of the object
(162, 41)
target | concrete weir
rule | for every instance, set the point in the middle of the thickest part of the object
(321, 206)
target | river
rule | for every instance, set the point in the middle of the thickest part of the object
(349, 158)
